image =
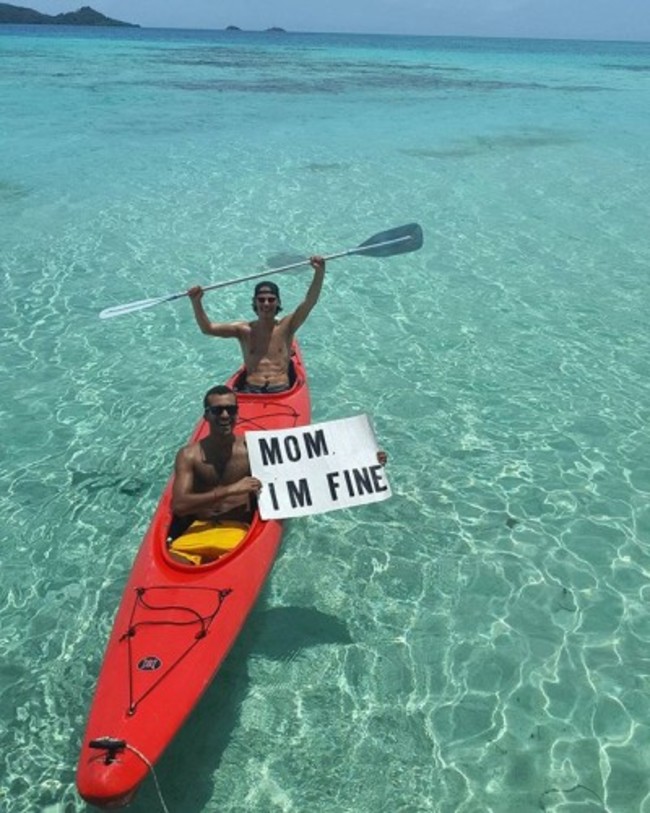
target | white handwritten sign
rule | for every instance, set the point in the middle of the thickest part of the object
(317, 468)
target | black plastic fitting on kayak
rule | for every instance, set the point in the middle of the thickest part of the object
(110, 745)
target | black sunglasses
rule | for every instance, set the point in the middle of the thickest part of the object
(215, 411)
(265, 299)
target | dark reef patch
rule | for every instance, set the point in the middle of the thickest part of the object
(10, 190)
(506, 142)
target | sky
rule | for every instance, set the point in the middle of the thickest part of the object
(556, 19)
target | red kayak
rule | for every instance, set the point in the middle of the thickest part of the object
(175, 625)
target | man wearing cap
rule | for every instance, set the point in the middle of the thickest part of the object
(266, 341)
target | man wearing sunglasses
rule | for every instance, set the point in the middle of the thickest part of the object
(266, 341)
(212, 478)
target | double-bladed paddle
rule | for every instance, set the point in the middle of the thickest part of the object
(400, 240)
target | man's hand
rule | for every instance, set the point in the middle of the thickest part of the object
(195, 293)
(247, 485)
(317, 263)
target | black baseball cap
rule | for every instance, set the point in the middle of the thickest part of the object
(271, 287)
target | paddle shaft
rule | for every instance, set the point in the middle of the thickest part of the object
(149, 303)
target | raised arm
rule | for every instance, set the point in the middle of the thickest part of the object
(225, 330)
(304, 309)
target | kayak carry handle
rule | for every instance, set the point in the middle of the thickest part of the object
(110, 745)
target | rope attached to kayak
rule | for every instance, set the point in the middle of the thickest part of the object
(153, 773)
(258, 421)
(195, 619)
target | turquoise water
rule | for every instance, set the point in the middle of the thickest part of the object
(477, 643)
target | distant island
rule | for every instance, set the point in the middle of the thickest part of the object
(84, 16)
(274, 29)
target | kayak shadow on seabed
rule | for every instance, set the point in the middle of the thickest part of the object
(186, 771)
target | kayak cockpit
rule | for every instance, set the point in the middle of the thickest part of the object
(205, 541)
(238, 382)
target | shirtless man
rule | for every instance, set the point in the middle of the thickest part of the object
(265, 342)
(212, 478)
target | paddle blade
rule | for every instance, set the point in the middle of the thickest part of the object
(131, 307)
(400, 240)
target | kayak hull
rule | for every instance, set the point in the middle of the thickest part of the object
(174, 627)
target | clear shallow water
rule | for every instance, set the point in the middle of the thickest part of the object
(479, 642)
